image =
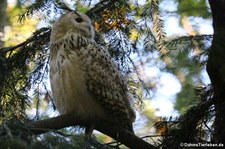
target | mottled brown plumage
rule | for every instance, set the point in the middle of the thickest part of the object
(84, 79)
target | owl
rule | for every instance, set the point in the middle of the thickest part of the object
(84, 79)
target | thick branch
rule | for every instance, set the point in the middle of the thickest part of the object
(216, 67)
(121, 135)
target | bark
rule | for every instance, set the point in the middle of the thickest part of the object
(3, 19)
(3, 22)
(216, 68)
(121, 135)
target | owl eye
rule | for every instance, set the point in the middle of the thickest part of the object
(79, 20)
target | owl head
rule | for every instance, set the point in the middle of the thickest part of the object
(72, 22)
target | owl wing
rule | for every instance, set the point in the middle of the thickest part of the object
(107, 84)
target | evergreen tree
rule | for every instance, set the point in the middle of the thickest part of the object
(127, 28)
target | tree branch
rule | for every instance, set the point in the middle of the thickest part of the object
(121, 135)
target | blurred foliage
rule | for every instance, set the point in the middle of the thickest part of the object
(16, 32)
(193, 49)
(194, 8)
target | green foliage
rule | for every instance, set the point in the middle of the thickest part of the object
(18, 78)
(186, 98)
(15, 134)
(186, 59)
(196, 8)
(35, 7)
(193, 126)
(14, 143)
(154, 39)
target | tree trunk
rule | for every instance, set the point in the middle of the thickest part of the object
(216, 68)
(3, 20)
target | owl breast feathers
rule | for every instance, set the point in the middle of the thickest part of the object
(84, 79)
